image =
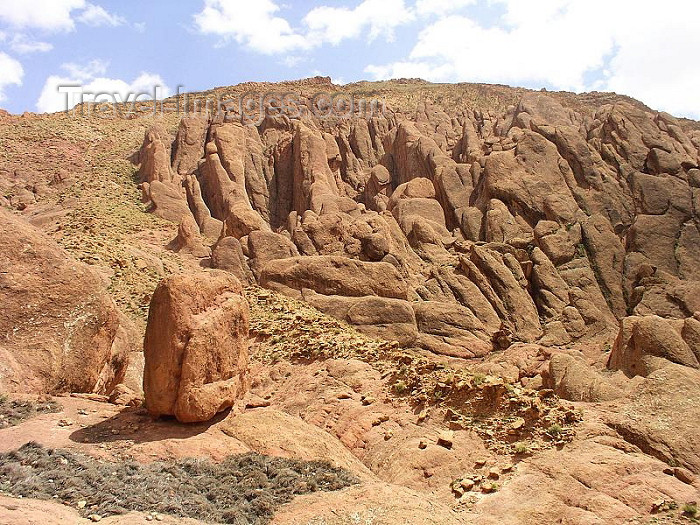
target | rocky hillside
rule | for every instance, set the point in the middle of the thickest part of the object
(457, 227)
(479, 303)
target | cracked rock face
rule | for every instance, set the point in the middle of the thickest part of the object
(550, 221)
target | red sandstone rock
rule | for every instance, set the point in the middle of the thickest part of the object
(196, 346)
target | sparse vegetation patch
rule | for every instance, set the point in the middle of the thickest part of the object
(13, 412)
(244, 489)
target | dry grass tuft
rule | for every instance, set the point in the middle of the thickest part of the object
(14, 412)
(244, 489)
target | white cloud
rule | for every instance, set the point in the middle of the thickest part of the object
(88, 83)
(543, 46)
(250, 23)
(85, 72)
(50, 15)
(23, 45)
(96, 16)
(258, 26)
(648, 51)
(55, 15)
(291, 61)
(140, 27)
(335, 24)
(11, 73)
(409, 69)
(441, 7)
(655, 59)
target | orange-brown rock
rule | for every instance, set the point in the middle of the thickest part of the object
(266, 246)
(155, 157)
(165, 201)
(189, 144)
(196, 346)
(189, 240)
(571, 378)
(646, 344)
(59, 330)
(575, 199)
(659, 416)
(390, 319)
(227, 254)
(330, 275)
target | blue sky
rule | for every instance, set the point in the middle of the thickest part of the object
(646, 49)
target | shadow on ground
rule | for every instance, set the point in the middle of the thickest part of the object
(134, 424)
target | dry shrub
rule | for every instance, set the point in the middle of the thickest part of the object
(243, 489)
(14, 412)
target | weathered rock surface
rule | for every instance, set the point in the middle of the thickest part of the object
(59, 330)
(660, 414)
(381, 317)
(332, 275)
(571, 378)
(646, 344)
(196, 346)
(551, 220)
(189, 240)
(299, 440)
(381, 503)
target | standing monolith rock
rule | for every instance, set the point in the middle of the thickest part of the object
(196, 346)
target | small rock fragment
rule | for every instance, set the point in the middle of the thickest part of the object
(467, 484)
(684, 475)
(446, 439)
(517, 424)
(489, 488)
(367, 400)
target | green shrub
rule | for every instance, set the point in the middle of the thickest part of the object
(555, 430)
(690, 509)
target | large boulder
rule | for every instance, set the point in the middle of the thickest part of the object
(189, 144)
(451, 329)
(165, 200)
(646, 344)
(59, 330)
(189, 240)
(154, 156)
(196, 346)
(228, 255)
(266, 246)
(332, 275)
(389, 319)
(660, 416)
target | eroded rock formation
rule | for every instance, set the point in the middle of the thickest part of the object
(544, 223)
